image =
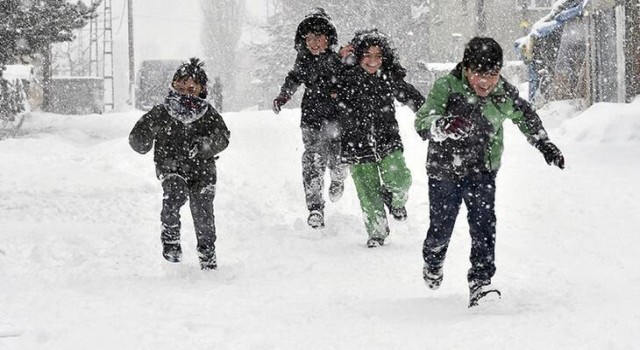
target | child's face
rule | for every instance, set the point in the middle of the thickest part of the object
(187, 87)
(482, 83)
(371, 59)
(316, 43)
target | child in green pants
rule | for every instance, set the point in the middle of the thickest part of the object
(370, 139)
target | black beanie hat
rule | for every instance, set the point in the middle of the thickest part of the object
(482, 55)
(318, 22)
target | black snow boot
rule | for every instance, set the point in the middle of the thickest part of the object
(432, 276)
(172, 252)
(399, 214)
(208, 260)
(316, 219)
(336, 188)
(481, 291)
(375, 242)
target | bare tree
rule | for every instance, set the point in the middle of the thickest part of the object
(221, 32)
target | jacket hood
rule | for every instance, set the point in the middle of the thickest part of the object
(372, 37)
(317, 21)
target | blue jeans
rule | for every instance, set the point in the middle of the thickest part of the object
(445, 197)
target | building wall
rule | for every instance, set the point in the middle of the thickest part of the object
(454, 22)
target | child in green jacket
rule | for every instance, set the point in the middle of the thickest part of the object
(462, 119)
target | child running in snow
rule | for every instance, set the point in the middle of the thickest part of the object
(462, 119)
(187, 133)
(315, 66)
(371, 142)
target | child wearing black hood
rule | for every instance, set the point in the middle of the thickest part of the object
(315, 66)
(188, 133)
(371, 142)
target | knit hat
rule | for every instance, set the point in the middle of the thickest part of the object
(318, 22)
(482, 55)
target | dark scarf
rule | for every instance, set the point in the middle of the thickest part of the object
(185, 108)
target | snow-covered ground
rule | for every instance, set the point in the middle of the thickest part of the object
(80, 262)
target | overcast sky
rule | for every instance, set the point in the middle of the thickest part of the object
(168, 28)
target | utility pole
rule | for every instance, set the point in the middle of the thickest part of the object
(93, 46)
(132, 65)
(107, 54)
(481, 18)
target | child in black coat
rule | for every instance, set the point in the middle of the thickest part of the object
(315, 67)
(188, 134)
(370, 135)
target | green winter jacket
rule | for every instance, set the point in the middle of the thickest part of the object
(481, 150)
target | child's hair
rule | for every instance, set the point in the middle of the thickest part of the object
(482, 55)
(364, 39)
(193, 69)
(318, 22)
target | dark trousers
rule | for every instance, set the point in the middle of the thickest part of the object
(176, 192)
(321, 151)
(445, 197)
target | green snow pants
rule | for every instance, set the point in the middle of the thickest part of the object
(371, 179)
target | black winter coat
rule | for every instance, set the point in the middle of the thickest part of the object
(368, 115)
(174, 140)
(318, 74)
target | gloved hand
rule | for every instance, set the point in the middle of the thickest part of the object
(424, 134)
(200, 146)
(551, 153)
(279, 102)
(454, 126)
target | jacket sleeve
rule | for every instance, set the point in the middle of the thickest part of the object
(144, 132)
(293, 80)
(433, 108)
(331, 70)
(526, 118)
(345, 88)
(219, 137)
(408, 94)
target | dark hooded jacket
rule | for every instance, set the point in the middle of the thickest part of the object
(367, 113)
(174, 140)
(317, 73)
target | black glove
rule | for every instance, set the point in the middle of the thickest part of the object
(279, 102)
(424, 134)
(551, 153)
(454, 126)
(201, 146)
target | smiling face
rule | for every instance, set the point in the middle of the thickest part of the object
(371, 59)
(316, 43)
(482, 83)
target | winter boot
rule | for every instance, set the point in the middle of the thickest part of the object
(399, 214)
(208, 261)
(316, 219)
(172, 251)
(375, 242)
(336, 188)
(432, 276)
(482, 291)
